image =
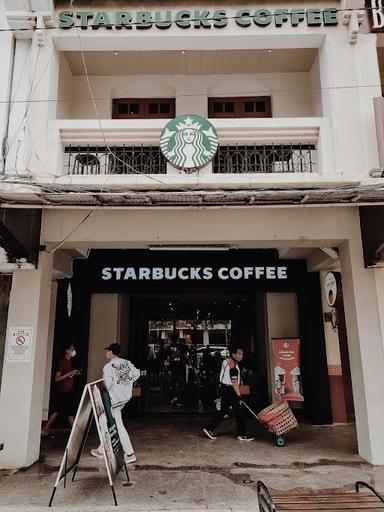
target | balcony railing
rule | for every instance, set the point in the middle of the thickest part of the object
(279, 158)
(86, 160)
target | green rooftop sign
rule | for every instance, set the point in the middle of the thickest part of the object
(198, 19)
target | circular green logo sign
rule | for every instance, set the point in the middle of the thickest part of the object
(189, 142)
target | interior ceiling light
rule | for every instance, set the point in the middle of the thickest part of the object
(269, 51)
(183, 52)
(218, 247)
(116, 53)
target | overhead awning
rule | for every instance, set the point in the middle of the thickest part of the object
(76, 195)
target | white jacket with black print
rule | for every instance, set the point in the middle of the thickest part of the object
(119, 376)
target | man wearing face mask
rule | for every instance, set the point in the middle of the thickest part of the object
(65, 400)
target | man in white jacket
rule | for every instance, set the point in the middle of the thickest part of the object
(119, 375)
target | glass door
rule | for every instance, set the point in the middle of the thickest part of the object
(183, 361)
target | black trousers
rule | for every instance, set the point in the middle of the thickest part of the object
(229, 398)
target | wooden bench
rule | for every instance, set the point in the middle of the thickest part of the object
(351, 501)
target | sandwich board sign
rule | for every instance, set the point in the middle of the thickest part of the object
(94, 404)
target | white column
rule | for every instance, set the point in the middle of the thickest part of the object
(17, 150)
(43, 142)
(368, 79)
(6, 59)
(22, 389)
(347, 73)
(366, 348)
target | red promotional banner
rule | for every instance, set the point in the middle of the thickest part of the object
(287, 375)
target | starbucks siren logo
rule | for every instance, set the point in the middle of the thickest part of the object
(189, 142)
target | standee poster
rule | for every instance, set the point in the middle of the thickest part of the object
(287, 374)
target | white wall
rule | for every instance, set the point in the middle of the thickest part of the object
(315, 84)
(65, 93)
(291, 96)
(102, 332)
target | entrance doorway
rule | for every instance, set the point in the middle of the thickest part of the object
(184, 339)
(184, 358)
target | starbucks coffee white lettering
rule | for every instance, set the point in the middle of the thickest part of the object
(192, 273)
(201, 18)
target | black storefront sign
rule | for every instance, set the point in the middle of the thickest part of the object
(185, 271)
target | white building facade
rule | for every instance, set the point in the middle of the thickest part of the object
(84, 97)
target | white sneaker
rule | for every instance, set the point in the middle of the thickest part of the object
(209, 433)
(245, 438)
(95, 452)
(130, 459)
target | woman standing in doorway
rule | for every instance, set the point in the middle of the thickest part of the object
(64, 404)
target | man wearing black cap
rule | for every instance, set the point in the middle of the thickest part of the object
(119, 375)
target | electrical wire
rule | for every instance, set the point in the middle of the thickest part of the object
(109, 151)
(227, 93)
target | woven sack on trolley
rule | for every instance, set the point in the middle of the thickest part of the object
(278, 417)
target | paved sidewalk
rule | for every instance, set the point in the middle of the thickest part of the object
(178, 469)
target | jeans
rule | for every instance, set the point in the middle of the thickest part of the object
(229, 398)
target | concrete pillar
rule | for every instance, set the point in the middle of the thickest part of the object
(22, 389)
(17, 129)
(364, 321)
(42, 140)
(5, 290)
(6, 59)
(347, 76)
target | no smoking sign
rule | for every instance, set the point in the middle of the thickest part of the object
(20, 344)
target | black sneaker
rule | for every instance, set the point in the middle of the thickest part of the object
(209, 433)
(245, 438)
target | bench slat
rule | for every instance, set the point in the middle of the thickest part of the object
(349, 501)
(330, 506)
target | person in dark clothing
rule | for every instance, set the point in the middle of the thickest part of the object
(177, 367)
(230, 396)
(64, 404)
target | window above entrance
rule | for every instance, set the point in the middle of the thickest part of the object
(254, 106)
(143, 108)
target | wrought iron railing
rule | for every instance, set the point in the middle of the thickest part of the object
(114, 160)
(235, 159)
(272, 158)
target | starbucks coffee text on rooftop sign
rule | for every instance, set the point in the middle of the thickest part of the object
(198, 19)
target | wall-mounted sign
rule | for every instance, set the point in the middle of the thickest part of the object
(375, 15)
(189, 142)
(197, 19)
(287, 369)
(330, 288)
(192, 273)
(20, 344)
